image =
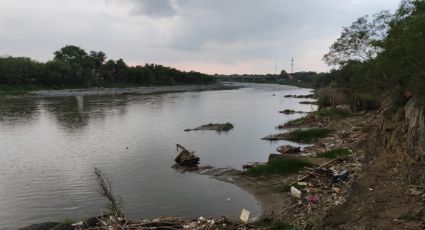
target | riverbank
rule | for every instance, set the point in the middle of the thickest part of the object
(325, 185)
(322, 195)
(130, 90)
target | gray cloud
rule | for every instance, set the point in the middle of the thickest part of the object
(205, 35)
(153, 8)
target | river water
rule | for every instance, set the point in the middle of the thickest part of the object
(49, 147)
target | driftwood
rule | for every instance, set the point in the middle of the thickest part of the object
(318, 168)
(186, 158)
(106, 186)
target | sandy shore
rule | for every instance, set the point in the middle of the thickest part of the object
(271, 201)
(131, 90)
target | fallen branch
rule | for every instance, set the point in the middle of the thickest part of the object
(321, 166)
(106, 186)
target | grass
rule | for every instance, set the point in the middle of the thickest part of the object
(308, 135)
(334, 153)
(297, 122)
(334, 113)
(68, 221)
(279, 166)
(275, 224)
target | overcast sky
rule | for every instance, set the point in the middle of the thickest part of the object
(212, 36)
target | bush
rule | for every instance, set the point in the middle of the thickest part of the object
(365, 103)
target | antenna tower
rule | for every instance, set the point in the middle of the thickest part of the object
(292, 65)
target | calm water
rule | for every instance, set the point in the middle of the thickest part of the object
(50, 146)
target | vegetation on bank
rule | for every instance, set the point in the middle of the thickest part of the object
(275, 224)
(307, 135)
(73, 67)
(279, 166)
(379, 56)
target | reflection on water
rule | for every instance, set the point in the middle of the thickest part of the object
(49, 147)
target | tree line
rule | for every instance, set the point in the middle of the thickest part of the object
(73, 67)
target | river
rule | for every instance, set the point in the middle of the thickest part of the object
(49, 147)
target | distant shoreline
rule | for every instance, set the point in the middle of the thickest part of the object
(129, 90)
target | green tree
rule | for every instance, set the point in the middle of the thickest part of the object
(361, 41)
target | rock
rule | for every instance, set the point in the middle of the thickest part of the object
(186, 158)
(284, 149)
(211, 126)
(41, 226)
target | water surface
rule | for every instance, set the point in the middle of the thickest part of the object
(50, 146)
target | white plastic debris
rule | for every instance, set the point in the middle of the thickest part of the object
(245, 215)
(295, 192)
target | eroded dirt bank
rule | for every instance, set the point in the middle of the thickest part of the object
(389, 192)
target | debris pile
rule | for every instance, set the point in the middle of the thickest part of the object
(170, 223)
(318, 189)
(215, 127)
(186, 158)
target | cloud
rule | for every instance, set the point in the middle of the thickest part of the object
(214, 36)
(153, 8)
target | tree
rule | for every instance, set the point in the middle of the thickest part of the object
(72, 55)
(404, 55)
(361, 41)
(98, 58)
